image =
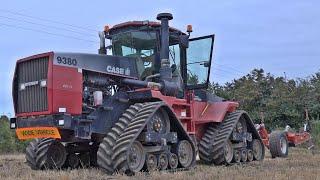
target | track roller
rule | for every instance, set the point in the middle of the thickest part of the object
(173, 161)
(236, 156)
(250, 155)
(163, 161)
(244, 155)
(151, 163)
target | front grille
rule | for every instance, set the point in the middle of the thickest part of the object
(32, 98)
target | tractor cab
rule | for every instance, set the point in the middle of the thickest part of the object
(190, 59)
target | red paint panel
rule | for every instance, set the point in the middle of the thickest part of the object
(212, 112)
(66, 90)
(198, 114)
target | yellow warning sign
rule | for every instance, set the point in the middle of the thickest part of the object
(38, 132)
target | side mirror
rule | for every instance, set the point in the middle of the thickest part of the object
(184, 41)
(206, 64)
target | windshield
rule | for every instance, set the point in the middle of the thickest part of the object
(139, 44)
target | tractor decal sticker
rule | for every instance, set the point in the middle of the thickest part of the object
(125, 66)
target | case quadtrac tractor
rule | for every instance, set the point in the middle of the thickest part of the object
(139, 105)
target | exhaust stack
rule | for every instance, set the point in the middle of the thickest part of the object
(165, 70)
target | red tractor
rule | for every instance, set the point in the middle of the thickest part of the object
(144, 107)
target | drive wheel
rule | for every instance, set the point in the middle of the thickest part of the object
(163, 161)
(250, 155)
(228, 152)
(257, 150)
(173, 161)
(236, 156)
(159, 122)
(151, 162)
(185, 153)
(136, 157)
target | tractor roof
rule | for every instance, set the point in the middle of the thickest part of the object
(137, 24)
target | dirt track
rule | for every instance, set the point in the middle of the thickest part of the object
(301, 164)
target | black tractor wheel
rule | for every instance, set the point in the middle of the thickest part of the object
(45, 154)
(278, 144)
(49, 154)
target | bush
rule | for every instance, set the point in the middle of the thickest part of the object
(315, 131)
(9, 143)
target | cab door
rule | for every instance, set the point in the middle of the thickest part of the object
(198, 62)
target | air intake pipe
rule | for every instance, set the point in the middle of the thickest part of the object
(102, 49)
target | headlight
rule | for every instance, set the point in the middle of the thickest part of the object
(43, 83)
(12, 125)
(22, 87)
(61, 122)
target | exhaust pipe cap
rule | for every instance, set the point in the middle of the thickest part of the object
(164, 15)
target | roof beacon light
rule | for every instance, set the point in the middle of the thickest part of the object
(189, 28)
(106, 28)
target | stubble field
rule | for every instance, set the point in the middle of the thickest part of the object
(301, 164)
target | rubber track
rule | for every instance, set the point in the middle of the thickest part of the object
(105, 151)
(31, 153)
(36, 153)
(41, 153)
(119, 158)
(206, 144)
(223, 134)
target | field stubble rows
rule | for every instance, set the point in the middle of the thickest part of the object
(301, 164)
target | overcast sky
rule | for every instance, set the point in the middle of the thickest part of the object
(278, 36)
